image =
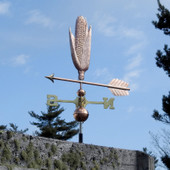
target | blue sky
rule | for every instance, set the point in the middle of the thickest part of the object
(34, 42)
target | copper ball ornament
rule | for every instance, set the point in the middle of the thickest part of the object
(81, 114)
(81, 92)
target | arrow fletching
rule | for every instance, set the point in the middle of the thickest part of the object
(119, 84)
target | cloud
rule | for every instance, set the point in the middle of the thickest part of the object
(105, 24)
(101, 72)
(130, 6)
(36, 17)
(134, 62)
(20, 60)
(110, 26)
(133, 72)
(4, 8)
(131, 77)
(135, 48)
(132, 33)
(104, 74)
(130, 109)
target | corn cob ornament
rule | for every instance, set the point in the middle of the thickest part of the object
(80, 46)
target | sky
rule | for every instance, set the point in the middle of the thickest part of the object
(34, 42)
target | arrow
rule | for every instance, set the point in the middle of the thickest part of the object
(116, 86)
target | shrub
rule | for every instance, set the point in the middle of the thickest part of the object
(6, 153)
(16, 144)
(53, 149)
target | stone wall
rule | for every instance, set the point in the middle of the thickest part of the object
(20, 152)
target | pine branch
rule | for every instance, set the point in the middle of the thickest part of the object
(165, 117)
(163, 22)
(163, 59)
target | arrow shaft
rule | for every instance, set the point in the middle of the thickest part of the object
(86, 82)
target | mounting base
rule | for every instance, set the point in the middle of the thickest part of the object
(80, 138)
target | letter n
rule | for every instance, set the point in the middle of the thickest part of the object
(108, 103)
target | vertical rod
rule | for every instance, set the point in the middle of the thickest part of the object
(81, 85)
(80, 130)
(80, 134)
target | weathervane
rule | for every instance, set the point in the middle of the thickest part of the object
(80, 46)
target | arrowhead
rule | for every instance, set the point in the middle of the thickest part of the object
(50, 77)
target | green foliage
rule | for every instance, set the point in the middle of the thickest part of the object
(6, 153)
(1, 144)
(163, 22)
(9, 134)
(47, 145)
(163, 61)
(72, 159)
(30, 152)
(112, 157)
(16, 144)
(113, 165)
(14, 128)
(145, 150)
(23, 155)
(83, 166)
(32, 164)
(115, 156)
(24, 138)
(31, 156)
(166, 160)
(16, 160)
(9, 167)
(3, 127)
(105, 160)
(37, 157)
(165, 118)
(59, 165)
(50, 154)
(96, 166)
(48, 163)
(52, 126)
(102, 162)
(53, 149)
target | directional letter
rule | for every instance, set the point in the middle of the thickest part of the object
(52, 100)
(108, 103)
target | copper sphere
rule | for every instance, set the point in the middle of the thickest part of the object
(81, 114)
(81, 92)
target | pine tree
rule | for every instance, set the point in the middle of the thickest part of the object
(52, 126)
(13, 128)
(3, 127)
(163, 61)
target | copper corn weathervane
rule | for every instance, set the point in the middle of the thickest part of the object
(80, 46)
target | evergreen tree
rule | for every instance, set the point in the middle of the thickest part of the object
(14, 128)
(52, 126)
(163, 61)
(3, 127)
